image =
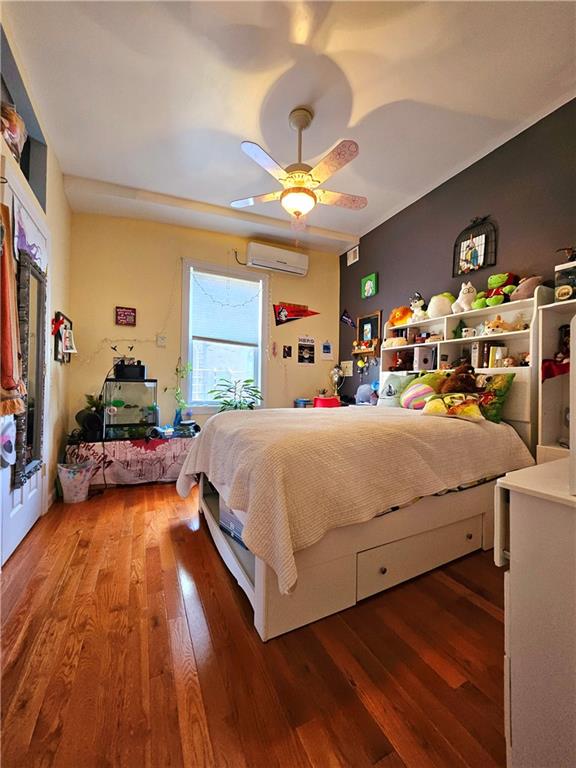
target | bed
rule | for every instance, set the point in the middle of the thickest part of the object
(338, 504)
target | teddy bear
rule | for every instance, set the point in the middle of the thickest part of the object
(461, 380)
(500, 287)
(465, 298)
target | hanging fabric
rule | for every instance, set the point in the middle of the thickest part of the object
(12, 388)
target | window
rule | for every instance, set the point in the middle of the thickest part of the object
(224, 331)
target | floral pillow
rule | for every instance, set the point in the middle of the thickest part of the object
(456, 405)
(392, 388)
(493, 390)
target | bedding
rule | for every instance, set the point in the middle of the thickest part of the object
(297, 473)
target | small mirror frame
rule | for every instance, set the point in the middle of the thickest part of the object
(28, 269)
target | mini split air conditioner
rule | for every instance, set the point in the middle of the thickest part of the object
(276, 259)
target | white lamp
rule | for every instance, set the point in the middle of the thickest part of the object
(298, 201)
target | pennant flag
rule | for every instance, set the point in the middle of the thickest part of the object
(285, 313)
(346, 319)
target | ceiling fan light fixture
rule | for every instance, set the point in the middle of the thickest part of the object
(298, 201)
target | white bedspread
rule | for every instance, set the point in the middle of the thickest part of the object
(297, 473)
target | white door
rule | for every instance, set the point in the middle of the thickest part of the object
(22, 506)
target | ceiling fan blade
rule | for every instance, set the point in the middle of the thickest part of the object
(354, 202)
(337, 158)
(245, 202)
(256, 153)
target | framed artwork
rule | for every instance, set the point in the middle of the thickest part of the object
(369, 285)
(63, 338)
(367, 335)
(125, 315)
(475, 247)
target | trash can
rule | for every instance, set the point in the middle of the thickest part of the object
(75, 481)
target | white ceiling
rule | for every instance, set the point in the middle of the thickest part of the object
(157, 96)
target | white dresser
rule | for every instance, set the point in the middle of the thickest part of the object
(536, 536)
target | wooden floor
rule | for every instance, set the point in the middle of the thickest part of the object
(126, 643)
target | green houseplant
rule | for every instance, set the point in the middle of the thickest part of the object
(238, 395)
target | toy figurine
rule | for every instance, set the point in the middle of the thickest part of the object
(465, 298)
(418, 307)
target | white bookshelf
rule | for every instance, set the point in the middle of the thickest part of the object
(553, 394)
(517, 342)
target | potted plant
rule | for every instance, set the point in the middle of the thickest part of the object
(237, 395)
(180, 372)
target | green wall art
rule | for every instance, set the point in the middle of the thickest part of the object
(369, 285)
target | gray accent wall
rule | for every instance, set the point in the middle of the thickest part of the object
(528, 185)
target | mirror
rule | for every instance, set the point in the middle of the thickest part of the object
(32, 316)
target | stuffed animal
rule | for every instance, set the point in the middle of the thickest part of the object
(500, 286)
(526, 288)
(465, 298)
(462, 380)
(497, 325)
(400, 316)
(396, 341)
(418, 307)
(441, 305)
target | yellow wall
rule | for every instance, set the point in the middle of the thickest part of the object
(137, 263)
(59, 224)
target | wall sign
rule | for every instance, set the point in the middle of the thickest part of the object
(125, 316)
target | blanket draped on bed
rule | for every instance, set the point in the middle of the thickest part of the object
(298, 473)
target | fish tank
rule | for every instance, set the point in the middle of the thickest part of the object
(130, 408)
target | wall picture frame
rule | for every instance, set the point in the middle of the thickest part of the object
(369, 285)
(61, 324)
(475, 247)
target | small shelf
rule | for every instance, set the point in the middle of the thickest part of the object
(560, 307)
(485, 337)
(411, 346)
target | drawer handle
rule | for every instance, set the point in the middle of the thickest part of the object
(469, 536)
(383, 570)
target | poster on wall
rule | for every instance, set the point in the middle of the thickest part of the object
(306, 350)
(286, 351)
(369, 285)
(285, 312)
(326, 350)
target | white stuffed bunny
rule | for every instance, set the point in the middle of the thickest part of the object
(465, 298)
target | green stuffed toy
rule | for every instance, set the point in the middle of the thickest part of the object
(500, 286)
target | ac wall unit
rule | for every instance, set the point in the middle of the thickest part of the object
(276, 259)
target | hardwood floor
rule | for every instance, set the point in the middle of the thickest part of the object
(126, 643)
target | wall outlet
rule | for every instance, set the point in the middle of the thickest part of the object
(160, 340)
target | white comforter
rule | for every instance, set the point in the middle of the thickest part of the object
(297, 473)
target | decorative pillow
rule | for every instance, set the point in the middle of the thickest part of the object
(457, 405)
(493, 391)
(416, 393)
(392, 388)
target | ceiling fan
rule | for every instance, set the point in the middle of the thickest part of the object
(300, 181)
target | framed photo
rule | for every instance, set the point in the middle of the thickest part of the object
(63, 338)
(367, 335)
(475, 247)
(369, 285)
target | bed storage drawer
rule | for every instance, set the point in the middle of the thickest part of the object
(382, 567)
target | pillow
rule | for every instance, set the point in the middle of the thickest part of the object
(493, 389)
(415, 395)
(456, 405)
(392, 388)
